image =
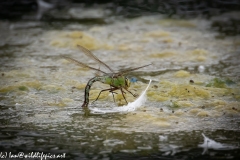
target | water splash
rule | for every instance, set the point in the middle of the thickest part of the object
(131, 106)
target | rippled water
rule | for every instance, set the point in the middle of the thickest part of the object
(195, 88)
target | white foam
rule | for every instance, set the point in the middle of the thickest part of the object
(131, 106)
(211, 144)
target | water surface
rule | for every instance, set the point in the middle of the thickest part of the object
(195, 88)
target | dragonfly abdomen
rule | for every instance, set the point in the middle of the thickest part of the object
(88, 87)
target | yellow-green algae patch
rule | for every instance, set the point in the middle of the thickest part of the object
(154, 119)
(198, 52)
(180, 87)
(203, 114)
(127, 47)
(170, 89)
(60, 103)
(167, 40)
(157, 96)
(179, 113)
(75, 84)
(21, 86)
(147, 119)
(216, 82)
(19, 73)
(182, 73)
(182, 103)
(198, 55)
(74, 38)
(67, 100)
(186, 90)
(158, 33)
(52, 88)
(164, 54)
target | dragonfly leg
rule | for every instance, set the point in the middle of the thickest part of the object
(110, 90)
(123, 92)
(134, 95)
(123, 95)
(112, 93)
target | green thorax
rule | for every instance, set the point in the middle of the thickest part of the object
(116, 81)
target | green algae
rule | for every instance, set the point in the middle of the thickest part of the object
(23, 88)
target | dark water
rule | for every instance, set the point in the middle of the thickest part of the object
(94, 141)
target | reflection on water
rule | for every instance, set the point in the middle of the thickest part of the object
(98, 143)
(211, 144)
(195, 88)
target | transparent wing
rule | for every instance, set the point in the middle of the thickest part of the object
(132, 69)
(92, 56)
(82, 64)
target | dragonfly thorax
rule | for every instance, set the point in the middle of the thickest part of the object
(116, 81)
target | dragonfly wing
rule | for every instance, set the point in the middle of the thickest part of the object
(92, 56)
(132, 69)
(81, 64)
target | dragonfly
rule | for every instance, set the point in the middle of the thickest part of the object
(116, 80)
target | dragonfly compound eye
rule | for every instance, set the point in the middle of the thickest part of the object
(127, 82)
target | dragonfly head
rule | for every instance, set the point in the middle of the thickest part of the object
(127, 82)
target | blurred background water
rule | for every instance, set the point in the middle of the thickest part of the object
(193, 47)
